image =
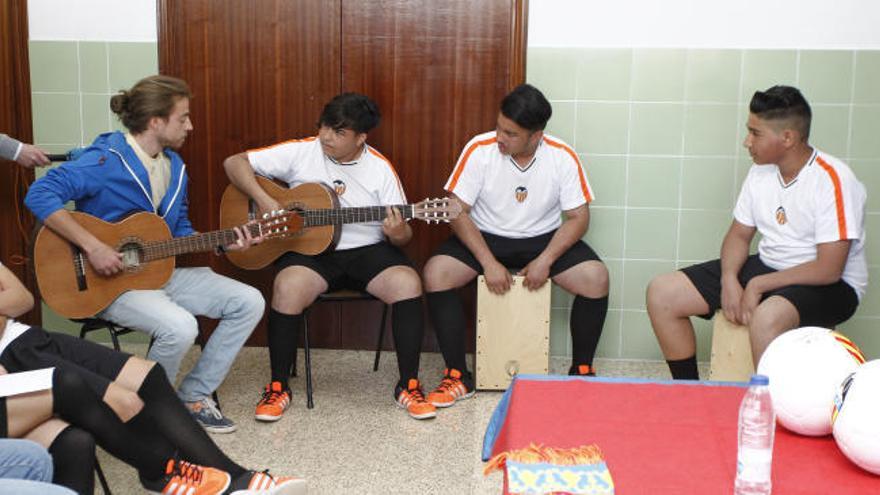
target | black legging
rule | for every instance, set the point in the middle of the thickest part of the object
(164, 429)
(73, 456)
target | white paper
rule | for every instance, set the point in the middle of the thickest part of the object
(25, 382)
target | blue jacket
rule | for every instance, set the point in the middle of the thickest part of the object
(108, 181)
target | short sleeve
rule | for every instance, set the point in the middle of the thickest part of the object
(279, 161)
(574, 189)
(743, 211)
(840, 207)
(466, 179)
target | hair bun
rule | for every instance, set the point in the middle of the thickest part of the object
(118, 102)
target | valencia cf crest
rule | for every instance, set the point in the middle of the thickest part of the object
(781, 219)
(339, 186)
(521, 193)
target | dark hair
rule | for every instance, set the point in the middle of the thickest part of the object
(350, 111)
(783, 103)
(153, 96)
(528, 107)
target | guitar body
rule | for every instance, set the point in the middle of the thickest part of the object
(236, 208)
(82, 294)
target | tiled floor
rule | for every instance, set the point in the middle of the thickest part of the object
(356, 440)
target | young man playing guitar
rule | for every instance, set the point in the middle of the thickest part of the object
(367, 256)
(139, 170)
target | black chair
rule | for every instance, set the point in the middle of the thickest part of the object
(340, 297)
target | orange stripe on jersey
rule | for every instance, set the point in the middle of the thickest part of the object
(459, 168)
(304, 140)
(581, 176)
(838, 196)
(380, 155)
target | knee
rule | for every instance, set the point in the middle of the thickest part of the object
(659, 293)
(36, 458)
(249, 301)
(77, 441)
(181, 333)
(433, 275)
(597, 280)
(292, 294)
(406, 284)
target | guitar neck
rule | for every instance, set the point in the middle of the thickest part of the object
(362, 214)
(196, 243)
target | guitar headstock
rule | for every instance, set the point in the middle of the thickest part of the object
(279, 223)
(436, 210)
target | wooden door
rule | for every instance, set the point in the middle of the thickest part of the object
(16, 222)
(262, 71)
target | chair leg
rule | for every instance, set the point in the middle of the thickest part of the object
(308, 358)
(381, 337)
(112, 328)
(101, 478)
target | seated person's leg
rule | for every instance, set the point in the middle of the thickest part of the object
(672, 298)
(385, 272)
(774, 316)
(24, 460)
(173, 328)
(238, 307)
(451, 268)
(299, 281)
(580, 272)
(73, 454)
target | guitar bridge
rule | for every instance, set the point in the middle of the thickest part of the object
(79, 268)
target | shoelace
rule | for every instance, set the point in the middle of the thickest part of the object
(417, 395)
(189, 473)
(271, 397)
(448, 384)
(212, 408)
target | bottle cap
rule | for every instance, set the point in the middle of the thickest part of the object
(759, 380)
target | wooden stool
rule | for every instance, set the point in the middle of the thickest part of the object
(513, 333)
(731, 351)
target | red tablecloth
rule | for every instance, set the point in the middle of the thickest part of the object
(663, 437)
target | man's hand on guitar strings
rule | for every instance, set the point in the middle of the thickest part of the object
(105, 260)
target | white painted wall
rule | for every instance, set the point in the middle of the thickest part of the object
(92, 20)
(798, 24)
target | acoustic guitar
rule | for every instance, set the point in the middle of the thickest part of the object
(71, 287)
(318, 206)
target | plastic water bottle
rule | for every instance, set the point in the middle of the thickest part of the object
(757, 425)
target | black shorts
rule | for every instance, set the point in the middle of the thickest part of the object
(36, 348)
(517, 253)
(818, 305)
(348, 268)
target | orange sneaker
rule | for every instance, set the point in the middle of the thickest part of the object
(192, 479)
(413, 399)
(274, 402)
(582, 370)
(263, 483)
(453, 387)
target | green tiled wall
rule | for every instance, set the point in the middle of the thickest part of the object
(660, 133)
(71, 85)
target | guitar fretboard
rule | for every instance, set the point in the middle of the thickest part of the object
(339, 216)
(195, 243)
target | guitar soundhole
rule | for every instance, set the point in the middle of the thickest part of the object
(132, 254)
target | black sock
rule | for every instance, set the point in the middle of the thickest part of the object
(449, 323)
(586, 322)
(283, 340)
(78, 404)
(684, 369)
(166, 415)
(73, 456)
(408, 329)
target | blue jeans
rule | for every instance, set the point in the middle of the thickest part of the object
(167, 315)
(24, 460)
(27, 487)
